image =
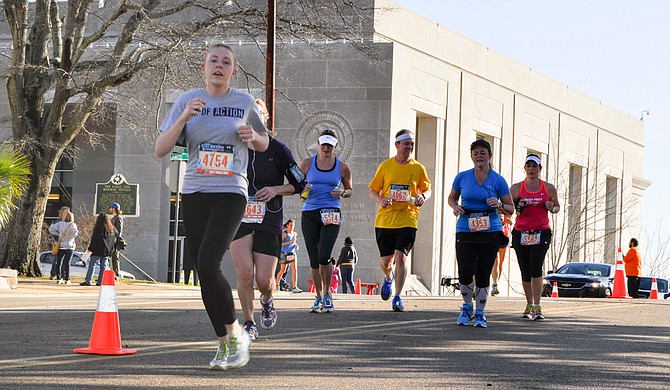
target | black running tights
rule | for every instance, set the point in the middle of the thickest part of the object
(210, 222)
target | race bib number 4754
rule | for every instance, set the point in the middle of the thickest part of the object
(215, 159)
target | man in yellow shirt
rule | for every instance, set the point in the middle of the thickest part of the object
(400, 187)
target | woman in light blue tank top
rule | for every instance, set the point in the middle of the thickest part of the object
(330, 179)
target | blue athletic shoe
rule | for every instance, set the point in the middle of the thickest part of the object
(480, 320)
(316, 307)
(387, 286)
(328, 303)
(465, 316)
(397, 304)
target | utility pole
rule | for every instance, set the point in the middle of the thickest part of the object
(270, 63)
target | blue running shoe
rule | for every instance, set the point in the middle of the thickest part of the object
(387, 286)
(328, 303)
(316, 307)
(397, 304)
(466, 315)
(480, 320)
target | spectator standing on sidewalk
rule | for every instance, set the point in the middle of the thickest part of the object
(633, 260)
(347, 262)
(103, 242)
(61, 217)
(117, 221)
(67, 231)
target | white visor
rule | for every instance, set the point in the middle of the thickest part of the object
(404, 136)
(328, 139)
(534, 159)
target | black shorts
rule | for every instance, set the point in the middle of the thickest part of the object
(391, 240)
(265, 242)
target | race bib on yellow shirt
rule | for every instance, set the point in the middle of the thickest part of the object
(331, 217)
(255, 211)
(215, 159)
(479, 222)
(399, 193)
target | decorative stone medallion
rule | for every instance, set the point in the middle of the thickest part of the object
(314, 124)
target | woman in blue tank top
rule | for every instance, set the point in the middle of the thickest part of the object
(329, 179)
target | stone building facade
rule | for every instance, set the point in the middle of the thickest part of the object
(451, 91)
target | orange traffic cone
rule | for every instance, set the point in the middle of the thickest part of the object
(619, 282)
(106, 333)
(653, 294)
(554, 290)
(358, 286)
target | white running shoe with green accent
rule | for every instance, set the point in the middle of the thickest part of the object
(238, 350)
(220, 361)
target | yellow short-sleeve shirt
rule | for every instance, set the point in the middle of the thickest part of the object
(399, 182)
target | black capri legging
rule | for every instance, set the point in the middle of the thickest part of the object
(210, 222)
(531, 257)
(476, 253)
(319, 238)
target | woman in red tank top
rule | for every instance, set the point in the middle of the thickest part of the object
(531, 236)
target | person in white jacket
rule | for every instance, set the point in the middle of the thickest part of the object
(67, 231)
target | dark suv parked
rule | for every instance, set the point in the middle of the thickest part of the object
(645, 287)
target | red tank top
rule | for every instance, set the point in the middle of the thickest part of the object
(534, 215)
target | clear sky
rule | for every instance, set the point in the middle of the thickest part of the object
(616, 51)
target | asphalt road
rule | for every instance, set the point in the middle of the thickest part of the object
(584, 343)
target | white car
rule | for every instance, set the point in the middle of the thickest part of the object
(78, 266)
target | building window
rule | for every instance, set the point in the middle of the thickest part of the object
(61, 186)
(575, 212)
(494, 150)
(544, 172)
(611, 228)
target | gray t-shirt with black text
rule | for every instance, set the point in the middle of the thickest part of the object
(217, 158)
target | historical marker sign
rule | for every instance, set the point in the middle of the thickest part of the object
(118, 190)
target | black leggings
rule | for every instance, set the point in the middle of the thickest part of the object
(476, 253)
(319, 238)
(210, 222)
(531, 257)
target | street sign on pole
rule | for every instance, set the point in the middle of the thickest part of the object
(179, 153)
